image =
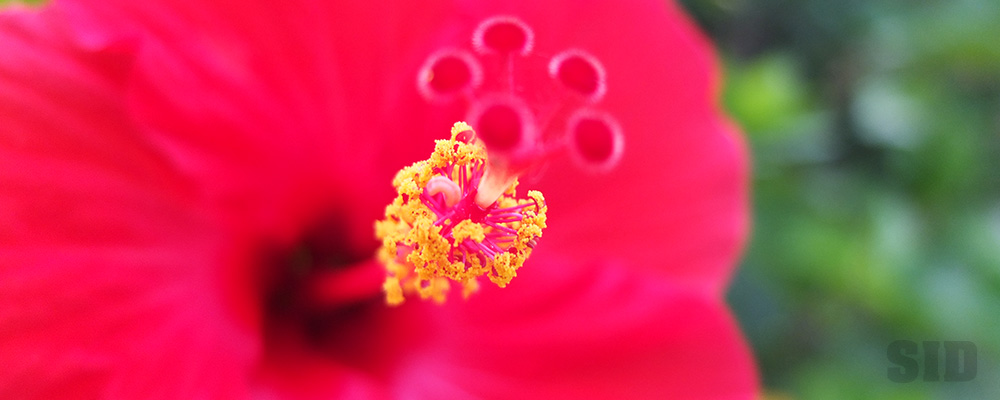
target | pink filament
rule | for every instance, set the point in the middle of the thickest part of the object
(437, 196)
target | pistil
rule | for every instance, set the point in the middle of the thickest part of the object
(457, 216)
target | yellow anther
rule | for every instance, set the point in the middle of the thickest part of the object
(426, 244)
(468, 230)
(393, 290)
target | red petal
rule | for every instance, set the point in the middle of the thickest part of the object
(571, 331)
(593, 331)
(110, 282)
(284, 106)
(250, 99)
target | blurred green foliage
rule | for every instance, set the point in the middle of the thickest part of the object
(28, 2)
(875, 129)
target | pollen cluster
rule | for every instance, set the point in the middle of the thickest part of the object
(434, 232)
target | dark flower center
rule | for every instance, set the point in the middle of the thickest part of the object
(323, 298)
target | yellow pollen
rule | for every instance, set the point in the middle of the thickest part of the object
(430, 238)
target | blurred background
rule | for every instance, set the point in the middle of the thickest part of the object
(875, 130)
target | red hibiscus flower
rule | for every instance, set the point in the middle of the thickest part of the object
(188, 188)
